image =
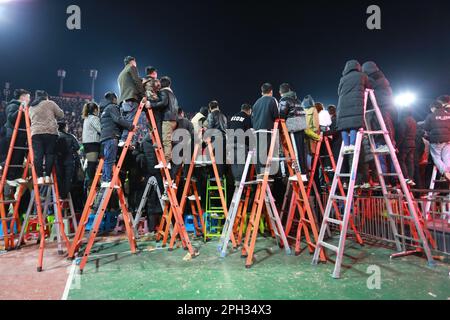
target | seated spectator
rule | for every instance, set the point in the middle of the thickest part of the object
(44, 131)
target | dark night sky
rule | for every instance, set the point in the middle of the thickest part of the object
(225, 50)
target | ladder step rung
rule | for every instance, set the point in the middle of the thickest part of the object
(335, 221)
(7, 219)
(401, 216)
(15, 166)
(329, 246)
(20, 148)
(408, 238)
(373, 133)
(8, 201)
(344, 175)
(342, 198)
(389, 175)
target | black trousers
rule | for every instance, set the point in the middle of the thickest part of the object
(263, 141)
(44, 148)
(299, 138)
(18, 156)
(406, 157)
(65, 172)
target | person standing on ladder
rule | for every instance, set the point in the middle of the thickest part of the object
(218, 121)
(21, 96)
(67, 147)
(240, 123)
(385, 98)
(350, 111)
(131, 93)
(44, 132)
(168, 106)
(265, 113)
(91, 140)
(112, 124)
(437, 124)
(292, 111)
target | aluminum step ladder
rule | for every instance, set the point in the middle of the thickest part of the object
(348, 198)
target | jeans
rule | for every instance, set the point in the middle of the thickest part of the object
(407, 162)
(441, 156)
(129, 110)
(44, 148)
(349, 137)
(110, 154)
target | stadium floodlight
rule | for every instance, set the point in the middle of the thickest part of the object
(405, 99)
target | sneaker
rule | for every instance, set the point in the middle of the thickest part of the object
(21, 181)
(121, 143)
(161, 166)
(40, 180)
(365, 186)
(351, 149)
(106, 185)
(174, 186)
(382, 149)
(328, 169)
(295, 179)
(12, 183)
(47, 180)
(165, 197)
(193, 198)
(410, 182)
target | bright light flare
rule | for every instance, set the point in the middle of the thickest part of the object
(405, 99)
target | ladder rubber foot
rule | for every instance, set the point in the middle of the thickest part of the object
(39, 269)
(170, 249)
(185, 248)
(80, 271)
(60, 252)
(248, 267)
(432, 264)
(297, 253)
(243, 256)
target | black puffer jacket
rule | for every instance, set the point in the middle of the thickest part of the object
(290, 106)
(406, 137)
(12, 111)
(351, 97)
(112, 122)
(167, 105)
(381, 86)
(437, 125)
(217, 120)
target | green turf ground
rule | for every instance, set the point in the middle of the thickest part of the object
(160, 274)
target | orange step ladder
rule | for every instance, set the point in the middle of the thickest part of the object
(9, 235)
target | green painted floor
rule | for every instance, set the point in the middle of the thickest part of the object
(162, 275)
